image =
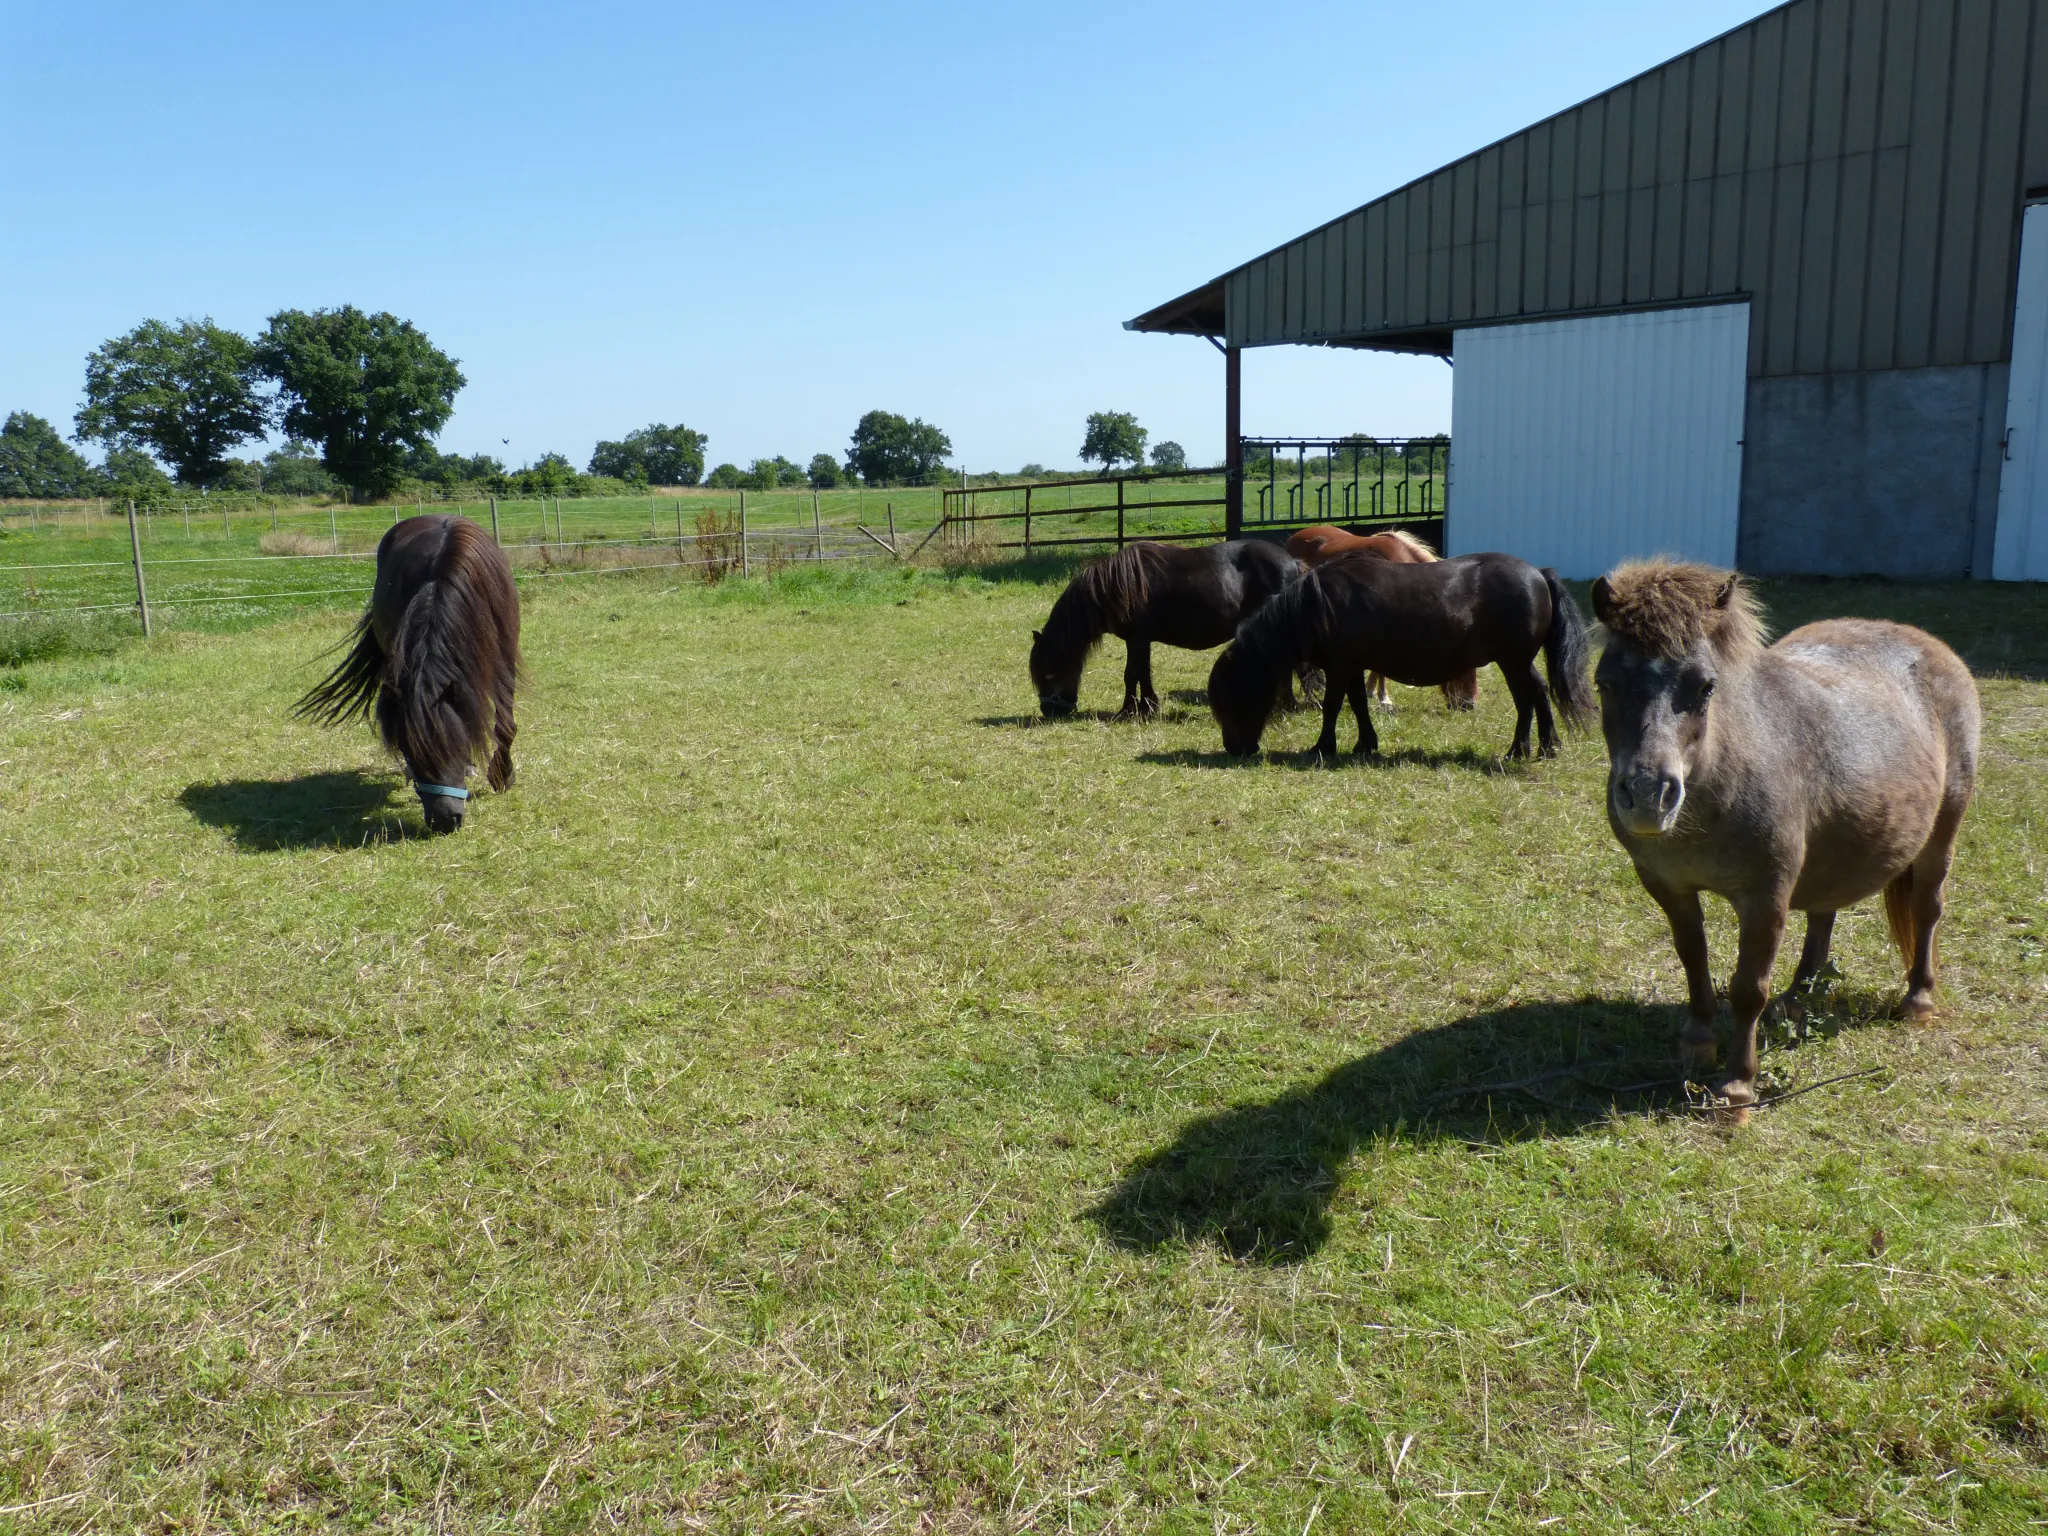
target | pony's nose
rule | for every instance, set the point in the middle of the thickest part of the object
(1653, 794)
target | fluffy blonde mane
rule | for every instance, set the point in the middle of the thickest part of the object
(1423, 553)
(1665, 606)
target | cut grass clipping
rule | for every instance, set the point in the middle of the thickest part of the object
(822, 1097)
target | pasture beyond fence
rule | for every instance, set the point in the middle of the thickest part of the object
(226, 555)
(229, 555)
(1296, 482)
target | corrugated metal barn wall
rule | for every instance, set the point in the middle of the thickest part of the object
(1856, 166)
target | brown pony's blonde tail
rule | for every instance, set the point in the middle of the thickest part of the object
(1898, 915)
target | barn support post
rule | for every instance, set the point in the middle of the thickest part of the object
(141, 591)
(1233, 443)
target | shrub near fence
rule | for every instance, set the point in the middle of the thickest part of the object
(226, 557)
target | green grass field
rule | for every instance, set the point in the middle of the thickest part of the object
(821, 1097)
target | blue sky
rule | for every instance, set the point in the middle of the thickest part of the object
(759, 219)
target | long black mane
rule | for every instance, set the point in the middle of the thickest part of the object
(1105, 596)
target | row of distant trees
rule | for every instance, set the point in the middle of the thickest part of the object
(359, 399)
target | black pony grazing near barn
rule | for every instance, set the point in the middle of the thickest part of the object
(435, 658)
(1418, 624)
(1147, 592)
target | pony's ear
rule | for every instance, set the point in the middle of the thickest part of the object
(1603, 600)
(1727, 593)
(1037, 635)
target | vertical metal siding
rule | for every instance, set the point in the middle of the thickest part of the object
(1583, 442)
(1853, 167)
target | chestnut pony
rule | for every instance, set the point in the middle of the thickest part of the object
(1312, 546)
(1802, 776)
(435, 658)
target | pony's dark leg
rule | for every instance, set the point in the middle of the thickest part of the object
(1527, 689)
(1762, 928)
(1689, 938)
(1139, 699)
(1361, 706)
(1546, 723)
(1930, 880)
(1813, 954)
(1334, 690)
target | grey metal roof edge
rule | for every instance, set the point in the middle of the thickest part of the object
(1451, 165)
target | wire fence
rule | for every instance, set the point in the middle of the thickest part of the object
(82, 558)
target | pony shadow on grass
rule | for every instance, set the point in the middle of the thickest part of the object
(1408, 757)
(1257, 1179)
(315, 810)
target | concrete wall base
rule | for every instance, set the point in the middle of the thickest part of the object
(1873, 474)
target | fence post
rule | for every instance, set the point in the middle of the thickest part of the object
(1027, 517)
(679, 530)
(746, 567)
(892, 532)
(817, 528)
(650, 513)
(1120, 514)
(494, 522)
(141, 591)
(333, 533)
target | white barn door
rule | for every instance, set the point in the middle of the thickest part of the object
(2020, 551)
(1581, 443)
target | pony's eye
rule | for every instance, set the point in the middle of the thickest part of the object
(1706, 692)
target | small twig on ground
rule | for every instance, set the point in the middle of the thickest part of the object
(1826, 1082)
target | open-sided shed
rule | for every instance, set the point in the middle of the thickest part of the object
(1766, 303)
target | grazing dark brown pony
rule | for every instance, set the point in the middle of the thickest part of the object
(435, 658)
(1804, 776)
(1147, 593)
(1419, 624)
(1312, 546)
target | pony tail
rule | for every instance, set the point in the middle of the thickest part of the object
(351, 688)
(1898, 915)
(1564, 653)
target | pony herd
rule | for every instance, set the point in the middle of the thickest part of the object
(1805, 775)
(1802, 776)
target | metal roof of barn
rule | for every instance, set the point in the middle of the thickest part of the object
(1854, 168)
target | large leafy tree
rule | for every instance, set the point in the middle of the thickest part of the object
(185, 393)
(888, 448)
(1169, 455)
(1113, 438)
(35, 461)
(131, 474)
(824, 471)
(367, 388)
(655, 455)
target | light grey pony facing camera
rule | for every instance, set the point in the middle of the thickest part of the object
(1801, 776)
